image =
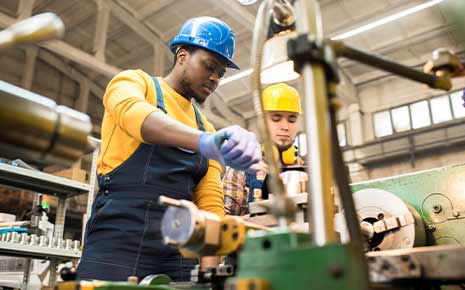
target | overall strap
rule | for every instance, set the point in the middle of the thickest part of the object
(160, 101)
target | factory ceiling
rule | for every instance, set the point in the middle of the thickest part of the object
(104, 37)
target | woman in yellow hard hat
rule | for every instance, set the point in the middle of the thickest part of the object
(282, 105)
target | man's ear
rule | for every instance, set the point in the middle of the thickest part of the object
(182, 56)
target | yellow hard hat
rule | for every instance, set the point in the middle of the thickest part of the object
(281, 97)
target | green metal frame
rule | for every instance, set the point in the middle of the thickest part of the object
(290, 261)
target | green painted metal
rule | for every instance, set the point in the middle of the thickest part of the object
(438, 195)
(172, 286)
(290, 261)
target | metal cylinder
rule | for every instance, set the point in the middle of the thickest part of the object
(52, 242)
(33, 240)
(60, 243)
(68, 244)
(24, 239)
(35, 128)
(15, 237)
(321, 212)
(7, 237)
(43, 241)
(76, 245)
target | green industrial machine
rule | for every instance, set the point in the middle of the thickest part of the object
(437, 195)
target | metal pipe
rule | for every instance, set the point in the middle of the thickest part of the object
(39, 27)
(280, 207)
(35, 128)
(321, 212)
(376, 61)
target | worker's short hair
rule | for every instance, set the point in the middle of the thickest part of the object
(189, 48)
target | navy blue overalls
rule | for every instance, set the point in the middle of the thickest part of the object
(123, 235)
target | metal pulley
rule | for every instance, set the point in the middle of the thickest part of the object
(386, 221)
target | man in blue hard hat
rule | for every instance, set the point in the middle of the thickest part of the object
(156, 142)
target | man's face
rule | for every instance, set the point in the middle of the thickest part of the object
(201, 73)
(283, 126)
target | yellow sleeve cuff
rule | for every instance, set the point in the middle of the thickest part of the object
(208, 194)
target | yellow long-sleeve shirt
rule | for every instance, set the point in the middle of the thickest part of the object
(129, 98)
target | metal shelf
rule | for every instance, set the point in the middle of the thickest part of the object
(28, 251)
(40, 182)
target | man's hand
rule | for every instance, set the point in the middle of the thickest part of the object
(231, 146)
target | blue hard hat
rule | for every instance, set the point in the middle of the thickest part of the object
(209, 33)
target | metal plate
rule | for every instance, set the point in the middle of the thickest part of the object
(40, 182)
(434, 263)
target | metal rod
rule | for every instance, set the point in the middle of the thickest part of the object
(26, 273)
(321, 210)
(254, 226)
(60, 217)
(376, 61)
(280, 205)
(14, 224)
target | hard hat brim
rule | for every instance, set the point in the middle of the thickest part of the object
(229, 62)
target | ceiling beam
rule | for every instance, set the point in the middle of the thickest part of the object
(25, 8)
(101, 28)
(82, 103)
(69, 71)
(70, 52)
(236, 11)
(346, 89)
(159, 60)
(128, 18)
(78, 56)
(29, 66)
(152, 8)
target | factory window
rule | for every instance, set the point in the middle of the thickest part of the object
(441, 109)
(420, 114)
(341, 134)
(382, 123)
(301, 143)
(401, 119)
(457, 104)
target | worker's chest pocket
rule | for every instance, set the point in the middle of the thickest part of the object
(172, 168)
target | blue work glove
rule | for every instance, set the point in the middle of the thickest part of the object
(231, 146)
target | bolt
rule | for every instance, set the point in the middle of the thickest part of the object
(336, 271)
(133, 280)
(437, 208)
(404, 258)
(432, 228)
(176, 224)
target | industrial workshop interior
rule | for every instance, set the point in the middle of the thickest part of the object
(232, 144)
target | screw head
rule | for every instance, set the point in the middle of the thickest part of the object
(437, 208)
